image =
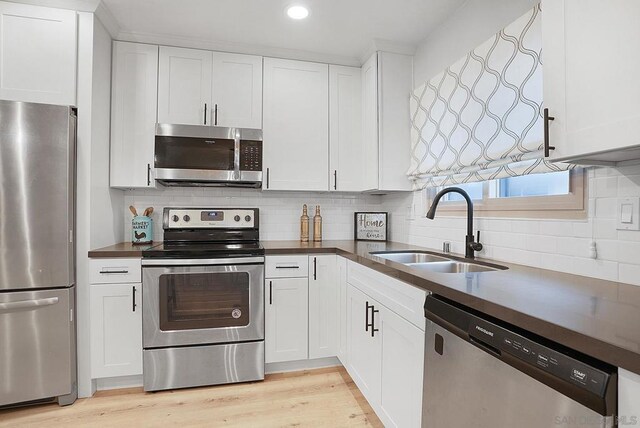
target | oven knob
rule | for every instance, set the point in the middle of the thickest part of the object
(175, 218)
(186, 218)
(247, 218)
(237, 218)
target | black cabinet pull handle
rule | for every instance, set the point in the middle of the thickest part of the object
(205, 113)
(287, 267)
(106, 272)
(335, 179)
(215, 115)
(315, 268)
(547, 119)
(374, 311)
(134, 298)
(271, 292)
(267, 178)
(366, 315)
(148, 174)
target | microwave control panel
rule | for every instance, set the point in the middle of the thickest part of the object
(250, 155)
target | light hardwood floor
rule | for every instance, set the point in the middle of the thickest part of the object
(313, 398)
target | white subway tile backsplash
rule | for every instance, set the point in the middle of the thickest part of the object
(629, 273)
(561, 245)
(279, 211)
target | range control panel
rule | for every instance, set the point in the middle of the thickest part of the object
(210, 218)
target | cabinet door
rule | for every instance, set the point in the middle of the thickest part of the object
(323, 306)
(370, 122)
(133, 114)
(116, 330)
(237, 90)
(343, 355)
(286, 319)
(38, 48)
(345, 129)
(402, 368)
(395, 83)
(590, 67)
(628, 397)
(365, 358)
(296, 125)
(184, 86)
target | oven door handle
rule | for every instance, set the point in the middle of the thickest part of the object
(203, 262)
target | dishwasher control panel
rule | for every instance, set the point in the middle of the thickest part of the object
(499, 340)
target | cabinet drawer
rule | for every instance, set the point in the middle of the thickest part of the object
(115, 271)
(286, 266)
(402, 298)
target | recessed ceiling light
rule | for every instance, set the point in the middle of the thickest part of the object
(297, 12)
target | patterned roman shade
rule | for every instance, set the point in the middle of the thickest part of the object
(481, 118)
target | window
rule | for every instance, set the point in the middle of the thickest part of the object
(553, 195)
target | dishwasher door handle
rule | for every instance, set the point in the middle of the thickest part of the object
(485, 346)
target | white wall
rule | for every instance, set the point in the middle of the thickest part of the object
(279, 211)
(473, 23)
(549, 244)
(98, 214)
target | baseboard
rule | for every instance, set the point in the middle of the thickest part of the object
(118, 382)
(292, 366)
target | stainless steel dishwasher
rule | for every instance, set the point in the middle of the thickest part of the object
(482, 373)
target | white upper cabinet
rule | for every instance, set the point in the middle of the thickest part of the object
(133, 114)
(38, 48)
(387, 81)
(370, 122)
(237, 90)
(347, 153)
(296, 125)
(199, 87)
(591, 66)
(184, 86)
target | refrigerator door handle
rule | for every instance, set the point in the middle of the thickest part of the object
(27, 304)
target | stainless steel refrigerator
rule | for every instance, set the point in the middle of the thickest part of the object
(37, 240)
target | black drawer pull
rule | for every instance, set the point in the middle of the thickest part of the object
(113, 271)
(287, 267)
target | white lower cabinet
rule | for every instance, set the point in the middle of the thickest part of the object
(323, 306)
(385, 355)
(628, 397)
(301, 307)
(341, 276)
(402, 370)
(116, 330)
(286, 319)
(365, 360)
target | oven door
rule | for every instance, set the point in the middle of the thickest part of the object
(197, 302)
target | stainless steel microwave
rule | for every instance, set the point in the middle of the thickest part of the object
(188, 155)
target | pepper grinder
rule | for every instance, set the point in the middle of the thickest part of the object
(317, 225)
(304, 225)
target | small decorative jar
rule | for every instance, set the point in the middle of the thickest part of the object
(141, 230)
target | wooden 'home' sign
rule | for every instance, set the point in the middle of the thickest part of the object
(371, 226)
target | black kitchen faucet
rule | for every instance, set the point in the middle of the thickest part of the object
(471, 246)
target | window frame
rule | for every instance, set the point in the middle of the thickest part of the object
(570, 206)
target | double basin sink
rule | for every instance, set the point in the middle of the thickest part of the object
(427, 261)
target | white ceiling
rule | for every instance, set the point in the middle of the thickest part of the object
(334, 29)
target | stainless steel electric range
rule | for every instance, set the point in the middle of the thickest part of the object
(203, 300)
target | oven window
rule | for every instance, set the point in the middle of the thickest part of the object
(204, 300)
(194, 153)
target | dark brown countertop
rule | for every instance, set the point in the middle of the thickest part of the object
(122, 249)
(599, 318)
